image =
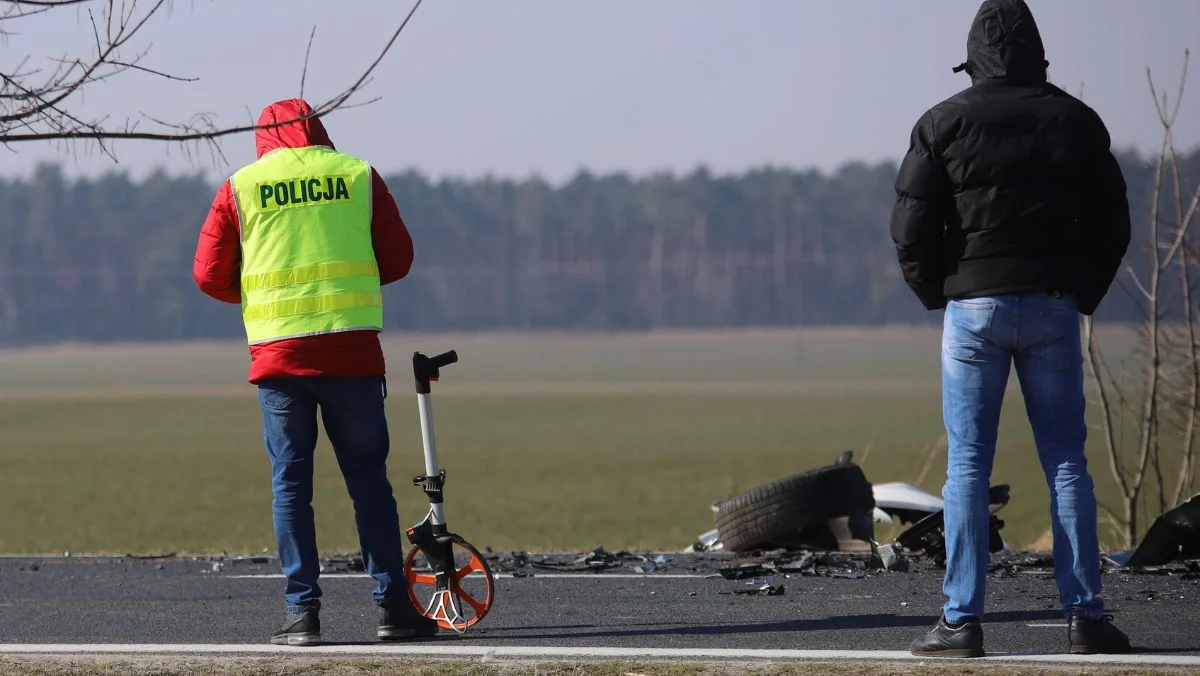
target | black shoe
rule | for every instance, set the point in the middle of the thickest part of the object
(1089, 636)
(302, 629)
(402, 620)
(948, 640)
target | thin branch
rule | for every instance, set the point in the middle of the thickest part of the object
(46, 3)
(1120, 282)
(14, 12)
(134, 66)
(1182, 85)
(1138, 283)
(378, 59)
(1149, 417)
(1183, 221)
(307, 50)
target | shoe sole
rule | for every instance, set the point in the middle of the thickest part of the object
(305, 639)
(955, 652)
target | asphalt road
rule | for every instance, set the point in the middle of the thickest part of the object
(564, 601)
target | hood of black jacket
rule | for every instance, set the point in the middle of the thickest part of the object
(1004, 43)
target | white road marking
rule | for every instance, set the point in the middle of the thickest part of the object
(496, 576)
(435, 650)
(1062, 625)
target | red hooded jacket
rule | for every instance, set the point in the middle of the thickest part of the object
(217, 265)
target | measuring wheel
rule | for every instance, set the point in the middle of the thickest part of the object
(448, 579)
(463, 594)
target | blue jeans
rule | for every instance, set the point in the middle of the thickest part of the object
(352, 410)
(982, 339)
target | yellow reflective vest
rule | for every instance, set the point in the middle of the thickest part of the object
(308, 265)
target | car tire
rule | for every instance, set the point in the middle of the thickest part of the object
(771, 510)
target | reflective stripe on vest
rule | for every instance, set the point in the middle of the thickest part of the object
(308, 265)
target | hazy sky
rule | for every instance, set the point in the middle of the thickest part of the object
(514, 87)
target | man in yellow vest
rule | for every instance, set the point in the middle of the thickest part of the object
(303, 239)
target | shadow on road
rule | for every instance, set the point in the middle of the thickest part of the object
(835, 623)
(1165, 651)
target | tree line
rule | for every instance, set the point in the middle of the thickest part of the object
(110, 259)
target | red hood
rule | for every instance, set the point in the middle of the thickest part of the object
(294, 134)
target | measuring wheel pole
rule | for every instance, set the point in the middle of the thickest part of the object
(432, 535)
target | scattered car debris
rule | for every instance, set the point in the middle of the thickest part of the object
(891, 559)
(1021, 564)
(834, 508)
(799, 565)
(897, 501)
(793, 535)
(707, 541)
(346, 564)
(821, 522)
(762, 589)
(1185, 569)
(521, 564)
(1173, 535)
(746, 570)
(253, 559)
(810, 564)
(596, 560)
(928, 535)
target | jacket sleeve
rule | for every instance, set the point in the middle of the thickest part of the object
(1107, 220)
(389, 235)
(918, 216)
(217, 264)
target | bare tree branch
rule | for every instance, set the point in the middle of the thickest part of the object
(307, 51)
(1146, 294)
(1191, 405)
(46, 3)
(1167, 357)
(1148, 435)
(34, 110)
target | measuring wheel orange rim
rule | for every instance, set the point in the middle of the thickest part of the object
(476, 564)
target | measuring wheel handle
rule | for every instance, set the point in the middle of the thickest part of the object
(430, 538)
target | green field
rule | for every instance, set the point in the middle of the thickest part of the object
(550, 441)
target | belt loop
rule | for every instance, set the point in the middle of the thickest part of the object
(383, 382)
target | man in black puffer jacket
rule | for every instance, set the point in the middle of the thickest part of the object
(1011, 213)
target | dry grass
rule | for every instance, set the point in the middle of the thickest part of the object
(627, 438)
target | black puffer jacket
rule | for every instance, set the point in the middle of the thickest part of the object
(1009, 185)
